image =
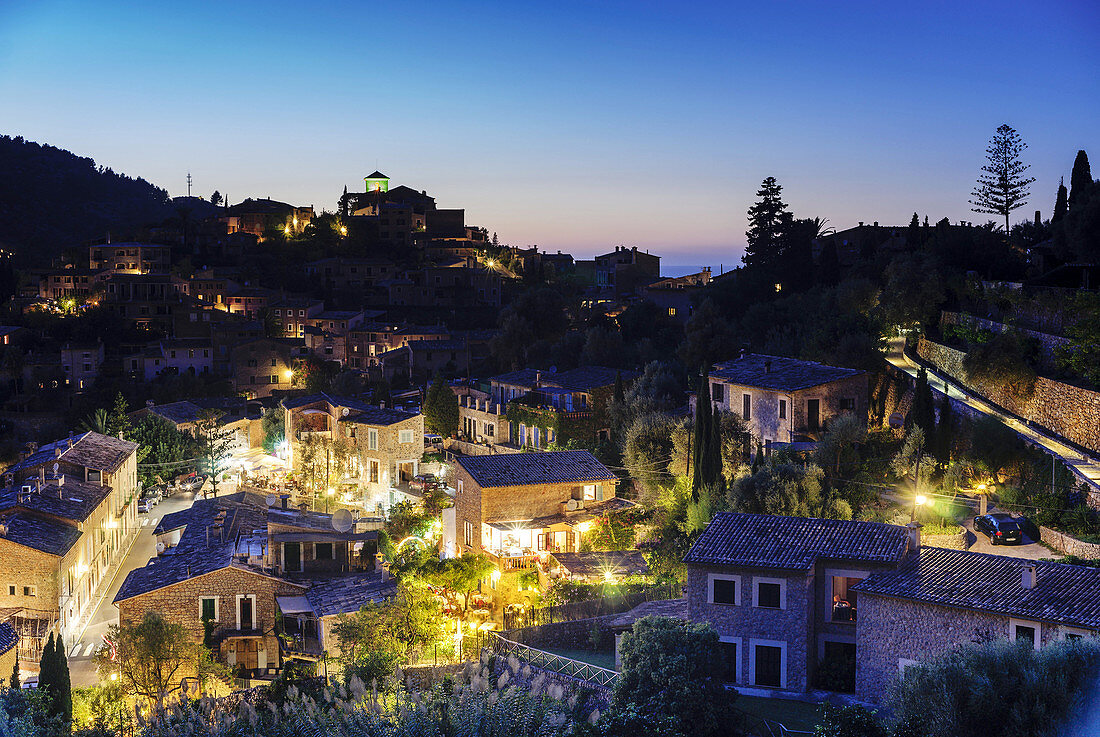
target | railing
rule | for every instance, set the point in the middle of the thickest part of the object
(761, 727)
(513, 563)
(587, 609)
(301, 647)
(578, 669)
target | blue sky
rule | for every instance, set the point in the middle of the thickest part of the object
(576, 126)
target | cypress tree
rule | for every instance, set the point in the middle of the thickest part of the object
(1061, 202)
(945, 431)
(923, 412)
(46, 667)
(618, 394)
(912, 235)
(702, 432)
(63, 698)
(1080, 180)
(15, 682)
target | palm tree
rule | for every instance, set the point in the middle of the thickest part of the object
(96, 422)
(820, 227)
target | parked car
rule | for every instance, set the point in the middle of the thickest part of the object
(424, 482)
(145, 506)
(154, 494)
(1002, 529)
(433, 442)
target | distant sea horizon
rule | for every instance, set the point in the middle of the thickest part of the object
(670, 270)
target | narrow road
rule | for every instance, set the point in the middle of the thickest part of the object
(1084, 468)
(81, 665)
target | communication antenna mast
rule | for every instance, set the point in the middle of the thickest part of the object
(188, 184)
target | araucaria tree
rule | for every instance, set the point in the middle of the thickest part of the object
(215, 446)
(1002, 187)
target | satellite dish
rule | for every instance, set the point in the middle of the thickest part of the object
(571, 505)
(345, 411)
(160, 548)
(271, 500)
(55, 467)
(342, 520)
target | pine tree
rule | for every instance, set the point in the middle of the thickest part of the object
(1061, 202)
(216, 198)
(1003, 187)
(1080, 180)
(118, 421)
(767, 220)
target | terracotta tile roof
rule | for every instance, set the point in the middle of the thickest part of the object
(616, 562)
(675, 608)
(778, 373)
(794, 543)
(348, 593)
(526, 469)
(41, 534)
(99, 452)
(177, 413)
(8, 638)
(73, 500)
(993, 583)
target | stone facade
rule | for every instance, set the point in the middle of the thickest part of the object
(182, 603)
(770, 422)
(396, 462)
(1048, 344)
(1063, 409)
(893, 633)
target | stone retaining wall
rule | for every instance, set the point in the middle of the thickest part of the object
(574, 635)
(1069, 545)
(1062, 409)
(958, 541)
(1048, 344)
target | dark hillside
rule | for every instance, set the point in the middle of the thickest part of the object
(51, 199)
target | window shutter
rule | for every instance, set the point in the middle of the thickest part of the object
(599, 492)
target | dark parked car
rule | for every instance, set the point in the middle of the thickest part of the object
(1002, 529)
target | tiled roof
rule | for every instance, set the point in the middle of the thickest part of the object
(177, 413)
(377, 175)
(378, 416)
(8, 638)
(587, 378)
(437, 345)
(675, 608)
(331, 399)
(615, 562)
(1063, 593)
(348, 593)
(778, 373)
(794, 543)
(73, 500)
(42, 534)
(91, 450)
(523, 469)
(195, 555)
(523, 377)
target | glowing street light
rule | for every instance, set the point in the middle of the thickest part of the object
(918, 501)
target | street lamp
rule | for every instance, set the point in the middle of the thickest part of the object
(918, 501)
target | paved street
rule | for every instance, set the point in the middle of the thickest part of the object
(81, 665)
(979, 543)
(1084, 468)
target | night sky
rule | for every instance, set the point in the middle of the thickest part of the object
(575, 126)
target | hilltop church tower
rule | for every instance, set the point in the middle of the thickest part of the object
(377, 182)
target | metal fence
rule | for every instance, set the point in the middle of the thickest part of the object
(578, 669)
(587, 609)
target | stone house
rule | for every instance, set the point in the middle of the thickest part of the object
(785, 400)
(779, 591)
(81, 362)
(232, 560)
(264, 365)
(530, 408)
(295, 313)
(943, 599)
(517, 507)
(676, 296)
(388, 445)
(67, 512)
(138, 258)
(625, 270)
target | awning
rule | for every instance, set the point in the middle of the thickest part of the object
(294, 605)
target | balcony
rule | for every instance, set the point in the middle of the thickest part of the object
(507, 562)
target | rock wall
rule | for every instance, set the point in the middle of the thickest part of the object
(1068, 544)
(575, 635)
(1048, 344)
(1059, 408)
(958, 541)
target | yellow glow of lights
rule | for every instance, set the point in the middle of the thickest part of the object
(81, 569)
(607, 576)
(114, 676)
(584, 527)
(286, 230)
(495, 575)
(921, 500)
(343, 230)
(330, 491)
(288, 374)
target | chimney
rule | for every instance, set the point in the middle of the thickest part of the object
(861, 223)
(1027, 578)
(57, 449)
(876, 223)
(284, 500)
(914, 537)
(744, 353)
(767, 367)
(538, 379)
(150, 403)
(70, 438)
